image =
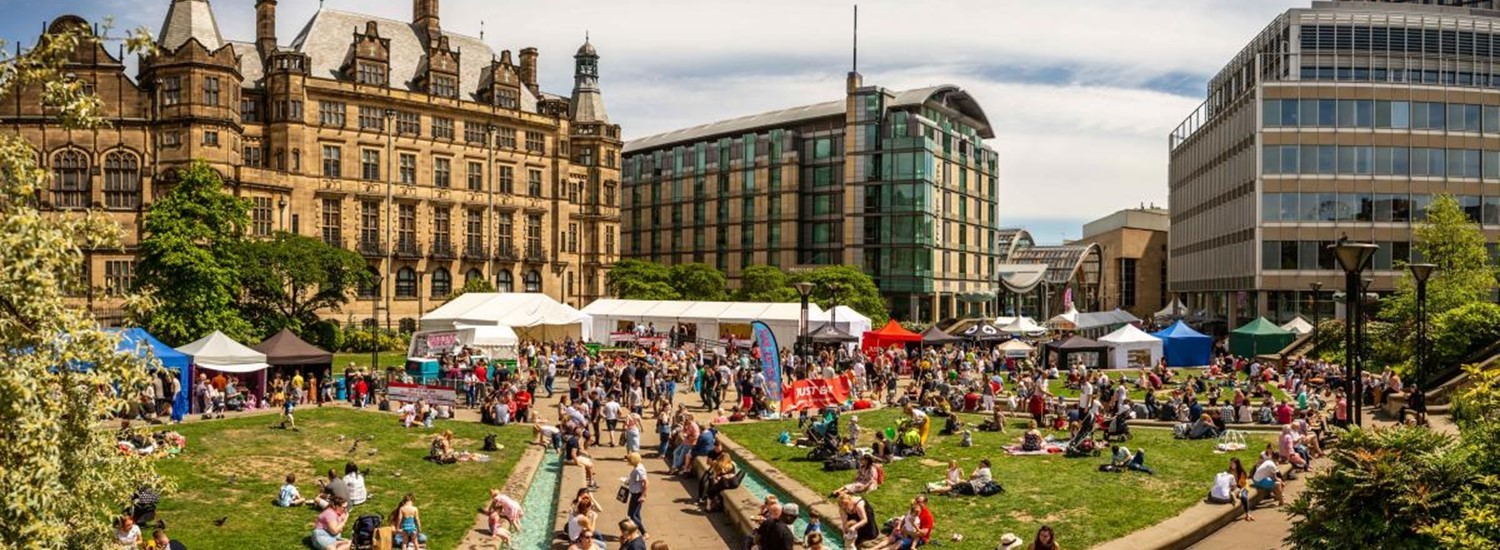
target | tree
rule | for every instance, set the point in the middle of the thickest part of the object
(855, 289)
(289, 278)
(640, 280)
(695, 281)
(62, 477)
(475, 284)
(1456, 333)
(188, 259)
(1476, 526)
(764, 283)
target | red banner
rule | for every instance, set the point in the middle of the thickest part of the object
(815, 393)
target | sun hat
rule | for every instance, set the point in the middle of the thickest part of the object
(1009, 541)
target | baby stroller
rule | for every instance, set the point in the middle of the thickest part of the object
(1118, 428)
(1082, 443)
(823, 437)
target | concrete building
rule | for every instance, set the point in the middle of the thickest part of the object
(434, 156)
(1341, 119)
(900, 184)
(1133, 259)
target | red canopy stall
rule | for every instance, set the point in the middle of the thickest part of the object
(890, 334)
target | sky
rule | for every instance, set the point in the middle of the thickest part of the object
(1081, 93)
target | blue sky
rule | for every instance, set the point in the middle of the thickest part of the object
(1082, 93)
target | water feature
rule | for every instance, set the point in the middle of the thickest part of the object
(540, 504)
(759, 488)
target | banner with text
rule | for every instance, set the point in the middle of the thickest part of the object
(770, 358)
(433, 395)
(815, 393)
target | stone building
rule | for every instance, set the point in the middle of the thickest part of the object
(431, 154)
(1133, 259)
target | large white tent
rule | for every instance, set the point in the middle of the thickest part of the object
(531, 315)
(1022, 326)
(1127, 339)
(221, 353)
(1173, 310)
(1298, 325)
(710, 319)
(843, 318)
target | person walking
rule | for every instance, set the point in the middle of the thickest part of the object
(636, 484)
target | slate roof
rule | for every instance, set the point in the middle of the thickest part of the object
(188, 19)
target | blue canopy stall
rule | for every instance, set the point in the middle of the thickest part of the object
(1185, 347)
(141, 343)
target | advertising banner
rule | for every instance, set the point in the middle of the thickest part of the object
(770, 359)
(815, 393)
(433, 395)
(433, 344)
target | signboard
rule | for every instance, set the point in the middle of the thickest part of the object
(433, 395)
(621, 337)
(434, 343)
(770, 359)
(815, 393)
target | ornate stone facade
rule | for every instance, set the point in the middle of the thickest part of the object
(432, 156)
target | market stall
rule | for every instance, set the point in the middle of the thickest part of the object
(1185, 347)
(1298, 325)
(648, 322)
(1259, 337)
(937, 337)
(983, 332)
(1089, 352)
(1015, 349)
(889, 335)
(845, 318)
(141, 343)
(287, 353)
(1022, 326)
(1131, 347)
(531, 315)
(221, 354)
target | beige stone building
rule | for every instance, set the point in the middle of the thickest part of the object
(1133, 259)
(431, 154)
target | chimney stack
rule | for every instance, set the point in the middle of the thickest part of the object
(528, 70)
(424, 14)
(265, 27)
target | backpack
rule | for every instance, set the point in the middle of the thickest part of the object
(489, 443)
(840, 463)
(990, 489)
(364, 531)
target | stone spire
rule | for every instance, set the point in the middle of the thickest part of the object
(587, 104)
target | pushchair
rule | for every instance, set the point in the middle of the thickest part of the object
(1118, 428)
(823, 436)
(1082, 443)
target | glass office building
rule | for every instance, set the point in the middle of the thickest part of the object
(1342, 119)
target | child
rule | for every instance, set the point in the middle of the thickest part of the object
(502, 509)
(955, 476)
(289, 495)
(815, 541)
(814, 528)
(287, 422)
(127, 533)
(905, 534)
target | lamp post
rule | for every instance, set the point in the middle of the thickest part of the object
(281, 212)
(1352, 258)
(804, 289)
(375, 323)
(1421, 272)
(1317, 286)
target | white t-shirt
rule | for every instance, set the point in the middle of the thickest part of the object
(1223, 486)
(1265, 470)
(981, 476)
(637, 480)
(612, 410)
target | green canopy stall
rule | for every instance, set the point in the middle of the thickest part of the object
(1259, 337)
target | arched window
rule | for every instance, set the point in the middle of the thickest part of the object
(533, 281)
(406, 283)
(473, 275)
(122, 181)
(504, 281)
(70, 179)
(442, 283)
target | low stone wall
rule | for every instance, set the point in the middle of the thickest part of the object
(1187, 528)
(743, 508)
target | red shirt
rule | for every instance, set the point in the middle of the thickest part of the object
(928, 524)
(523, 399)
(361, 387)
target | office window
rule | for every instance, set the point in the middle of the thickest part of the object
(370, 73)
(211, 91)
(333, 234)
(406, 228)
(475, 132)
(534, 183)
(474, 232)
(408, 168)
(71, 186)
(534, 233)
(505, 232)
(122, 181)
(171, 90)
(249, 110)
(506, 138)
(536, 143)
(260, 216)
(331, 113)
(369, 225)
(442, 283)
(119, 277)
(442, 230)
(506, 179)
(442, 172)
(371, 118)
(408, 123)
(476, 176)
(370, 164)
(333, 161)
(442, 128)
(1127, 282)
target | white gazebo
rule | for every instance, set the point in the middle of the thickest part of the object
(1022, 326)
(530, 315)
(710, 321)
(1298, 325)
(844, 318)
(1129, 339)
(1016, 348)
(220, 353)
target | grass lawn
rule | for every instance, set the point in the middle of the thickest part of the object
(1083, 505)
(395, 359)
(1059, 387)
(259, 458)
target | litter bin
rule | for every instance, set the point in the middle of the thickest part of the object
(341, 391)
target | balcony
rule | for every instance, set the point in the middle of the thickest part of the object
(507, 253)
(443, 250)
(408, 249)
(476, 252)
(371, 247)
(535, 254)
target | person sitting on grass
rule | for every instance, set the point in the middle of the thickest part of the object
(330, 490)
(408, 522)
(327, 529)
(1120, 457)
(289, 495)
(1031, 441)
(355, 482)
(127, 533)
(881, 448)
(996, 422)
(866, 479)
(980, 478)
(955, 477)
(441, 451)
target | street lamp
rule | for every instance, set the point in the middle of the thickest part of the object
(1421, 272)
(804, 289)
(375, 323)
(1352, 258)
(1316, 286)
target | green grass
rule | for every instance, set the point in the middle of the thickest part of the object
(395, 359)
(1059, 387)
(1083, 505)
(260, 457)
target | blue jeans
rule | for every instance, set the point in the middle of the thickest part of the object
(633, 511)
(679, 456)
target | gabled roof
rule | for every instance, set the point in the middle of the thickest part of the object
(328, 35)
(189, 19)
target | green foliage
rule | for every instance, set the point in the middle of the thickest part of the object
(289, 278)
(1381, 490)
(855, 289)
(641, 280)
(476, 284)
(188, 259)
(1449, 240)
(359, 341)
(764, 283)
(325, 334)
(1477, 412)
(62, 477)
(1460, 331)
(695, 281)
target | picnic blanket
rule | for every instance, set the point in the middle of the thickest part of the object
(1047, 449)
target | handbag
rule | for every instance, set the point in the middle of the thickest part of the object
(623, 495)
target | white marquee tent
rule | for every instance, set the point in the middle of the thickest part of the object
(1021, 326)
(1298, 325)
(220, 353)
(1173, 310)
(709, 318)
(1127, 339)
(530, 315)
(844, 318)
